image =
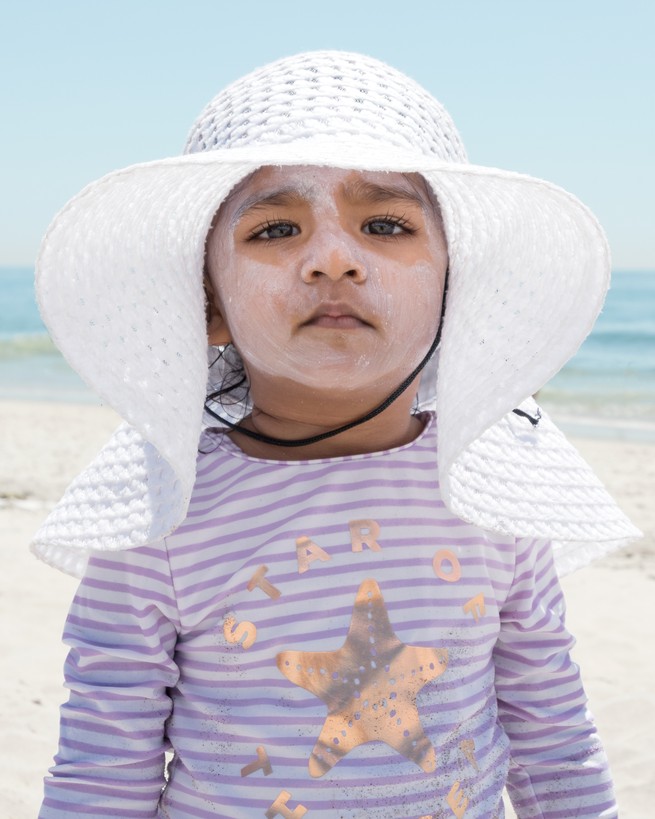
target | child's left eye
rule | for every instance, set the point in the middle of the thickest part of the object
(385, 227)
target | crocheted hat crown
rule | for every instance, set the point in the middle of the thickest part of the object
(327, 94)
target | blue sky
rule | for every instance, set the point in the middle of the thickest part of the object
(560, 89)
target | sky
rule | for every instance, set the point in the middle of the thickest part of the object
(561, 90)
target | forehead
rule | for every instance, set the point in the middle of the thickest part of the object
(282, 184)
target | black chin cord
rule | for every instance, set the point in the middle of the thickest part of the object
(257, 436)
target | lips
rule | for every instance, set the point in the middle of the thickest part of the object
(336, 316)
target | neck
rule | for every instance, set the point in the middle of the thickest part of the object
(268, 434)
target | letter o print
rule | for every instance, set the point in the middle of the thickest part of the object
(446, 556)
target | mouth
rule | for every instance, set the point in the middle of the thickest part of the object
(336, 316)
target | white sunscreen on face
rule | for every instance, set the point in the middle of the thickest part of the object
(332, 308)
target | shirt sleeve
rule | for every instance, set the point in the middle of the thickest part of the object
(558, 768)
(122, 630)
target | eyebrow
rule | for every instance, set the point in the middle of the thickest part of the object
(282, 197)
(369, 193)
(356, 193)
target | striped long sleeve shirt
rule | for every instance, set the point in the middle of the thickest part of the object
(324, 639)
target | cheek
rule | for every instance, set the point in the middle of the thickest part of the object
(412, 300)
(256, 292)
(248, 293)
(252, 298)
(252, 305)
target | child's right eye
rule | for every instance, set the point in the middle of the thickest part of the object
(275, 230)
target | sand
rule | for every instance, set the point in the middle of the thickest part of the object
(43, 445)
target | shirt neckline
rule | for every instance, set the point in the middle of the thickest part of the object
(225, 444)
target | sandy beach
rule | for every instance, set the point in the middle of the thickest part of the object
(43, 445)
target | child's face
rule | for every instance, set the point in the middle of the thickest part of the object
(327, 279)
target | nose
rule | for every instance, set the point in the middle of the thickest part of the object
(335, 264)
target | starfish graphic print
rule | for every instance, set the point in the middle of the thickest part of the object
(369, 685)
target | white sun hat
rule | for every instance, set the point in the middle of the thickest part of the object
(120, 287)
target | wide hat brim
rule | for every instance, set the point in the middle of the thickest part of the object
(123, 262)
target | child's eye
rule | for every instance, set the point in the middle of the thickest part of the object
(275, 230)
(386, 227)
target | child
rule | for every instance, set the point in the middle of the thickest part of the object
(340, 599)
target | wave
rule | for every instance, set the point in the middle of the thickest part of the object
(24, 345)
(616, 332)
(612, 368)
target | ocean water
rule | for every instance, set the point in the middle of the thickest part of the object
(607, 389)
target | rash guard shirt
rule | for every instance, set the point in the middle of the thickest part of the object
(324, 639)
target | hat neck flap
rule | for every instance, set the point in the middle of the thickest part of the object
(515, 480)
